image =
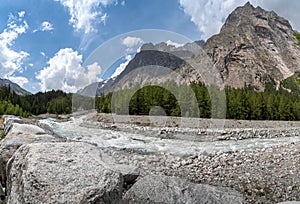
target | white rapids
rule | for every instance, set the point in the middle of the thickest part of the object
(137, 141)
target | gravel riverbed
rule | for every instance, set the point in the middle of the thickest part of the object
(262, 175)
(267, 175)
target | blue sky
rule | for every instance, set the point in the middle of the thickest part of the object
(47, 44)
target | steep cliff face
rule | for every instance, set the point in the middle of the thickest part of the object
(254, 47)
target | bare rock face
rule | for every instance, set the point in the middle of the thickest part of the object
(163, 189)
(62, 173)
(2, 195)
(254, 47)
(18, 134)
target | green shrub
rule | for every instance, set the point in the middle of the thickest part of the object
(297, 35)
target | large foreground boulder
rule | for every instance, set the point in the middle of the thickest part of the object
(163, 189)
(18, 134)
(62, 173)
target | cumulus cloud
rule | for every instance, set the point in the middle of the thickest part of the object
(85, 13)
(175, 44)
(18, 80)
(131, 43)
(11, 61)
(46, 26)
(122, 66)
(66, 73)
(209, 15)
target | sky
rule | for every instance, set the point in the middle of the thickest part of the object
(68, 44)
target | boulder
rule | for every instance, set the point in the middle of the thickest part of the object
(9, 120)
(129, 174)
(2, 195)
(17, 135)
(69, 172)
(163, 189)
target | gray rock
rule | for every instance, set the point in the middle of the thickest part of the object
(16, 128)
(162, 189)
(129, 173)
(254, 47)
(61, 173)
(18, 135)
(290, 202)
(2, 195)
(8, 121)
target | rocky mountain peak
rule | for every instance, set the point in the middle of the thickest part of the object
(254, 47)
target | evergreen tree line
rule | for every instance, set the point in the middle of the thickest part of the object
(244, 104)
(55, 102)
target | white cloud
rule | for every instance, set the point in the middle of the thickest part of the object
(66, 73)
(18, 80)
(123, 3)
(169, 42)
(42, 53)
(104, 18)
(122, 66)
(21, 14)
(209, 15)
(132, 41)
(11, 61)
(85, 13)
(46, 26)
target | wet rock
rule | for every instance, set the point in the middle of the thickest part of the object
(164, 189)
(61, 173)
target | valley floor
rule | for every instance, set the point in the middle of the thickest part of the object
(267, 174)
(263, 175)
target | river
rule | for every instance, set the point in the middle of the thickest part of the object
(104, 137)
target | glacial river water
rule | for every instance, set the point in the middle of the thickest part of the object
(112, 138)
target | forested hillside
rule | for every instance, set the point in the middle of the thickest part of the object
(244, 104)
(56, 102)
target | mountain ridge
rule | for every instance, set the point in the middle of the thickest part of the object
(253, 48)
(14, 87)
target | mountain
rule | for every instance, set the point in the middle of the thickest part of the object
(13, 87)
(154, 64)
(96, 88)
(161, 63)
(254, 47)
